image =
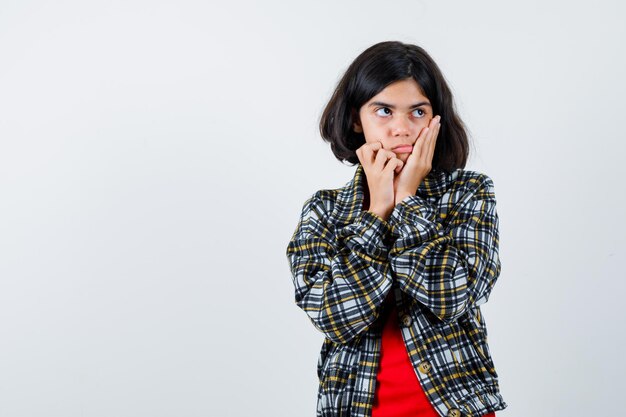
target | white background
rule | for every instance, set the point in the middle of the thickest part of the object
(155, 155)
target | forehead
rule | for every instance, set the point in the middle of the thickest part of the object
(401, 93)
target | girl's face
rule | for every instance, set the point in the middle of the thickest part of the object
(395, 116)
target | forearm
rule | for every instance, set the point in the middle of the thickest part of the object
(341, 275)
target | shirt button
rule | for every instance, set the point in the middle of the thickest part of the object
(406, 320)
(454, 412)
(424, 367)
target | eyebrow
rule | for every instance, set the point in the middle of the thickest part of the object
(391, 106)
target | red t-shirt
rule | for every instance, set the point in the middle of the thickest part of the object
(398, 390)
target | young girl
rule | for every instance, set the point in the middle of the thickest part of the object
(392, 267)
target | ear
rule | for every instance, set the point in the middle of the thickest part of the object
(356, 125)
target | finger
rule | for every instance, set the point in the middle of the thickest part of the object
(399, 164)
(368, 151)
(399, 167)
(433, 142)
(418, 147)
(433, 129)
(382, 156)
(394, 165)
(434, 132)
(359, 155)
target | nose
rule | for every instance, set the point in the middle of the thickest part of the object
(401, 127)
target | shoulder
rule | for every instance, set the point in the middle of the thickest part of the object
(315, 213)
(466, 181)
(320, 202)
(468, 177)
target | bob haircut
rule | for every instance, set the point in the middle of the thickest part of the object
(373, 70)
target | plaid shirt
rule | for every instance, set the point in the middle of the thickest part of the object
(436, 257)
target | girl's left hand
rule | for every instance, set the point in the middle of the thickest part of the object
(418, 164)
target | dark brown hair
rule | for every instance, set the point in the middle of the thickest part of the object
(373, 70)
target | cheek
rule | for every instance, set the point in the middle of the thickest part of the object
(373, 133)
(423, 125)
(371, 136)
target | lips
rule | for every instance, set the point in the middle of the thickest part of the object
(403, 148)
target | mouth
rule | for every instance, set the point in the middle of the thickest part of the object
(403, 149)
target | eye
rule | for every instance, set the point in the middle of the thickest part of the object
(420, 110)
(382, 108)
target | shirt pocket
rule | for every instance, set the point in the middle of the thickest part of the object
(335, 379)
(337, 388)
(467, 348)
(338, 377)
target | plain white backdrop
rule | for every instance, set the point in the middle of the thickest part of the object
(155, 155)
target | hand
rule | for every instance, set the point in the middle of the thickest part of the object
(379, 165)
(418, 164)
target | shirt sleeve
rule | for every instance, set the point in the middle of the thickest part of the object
(452, 264)
(341, 276)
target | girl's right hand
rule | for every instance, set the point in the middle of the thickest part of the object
(380, 166)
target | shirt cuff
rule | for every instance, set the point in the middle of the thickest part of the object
(368, 233)
(412, 209)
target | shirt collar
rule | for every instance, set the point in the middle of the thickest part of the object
(349, 203)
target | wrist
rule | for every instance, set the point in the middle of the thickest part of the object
(383, 213)
(401, 196)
